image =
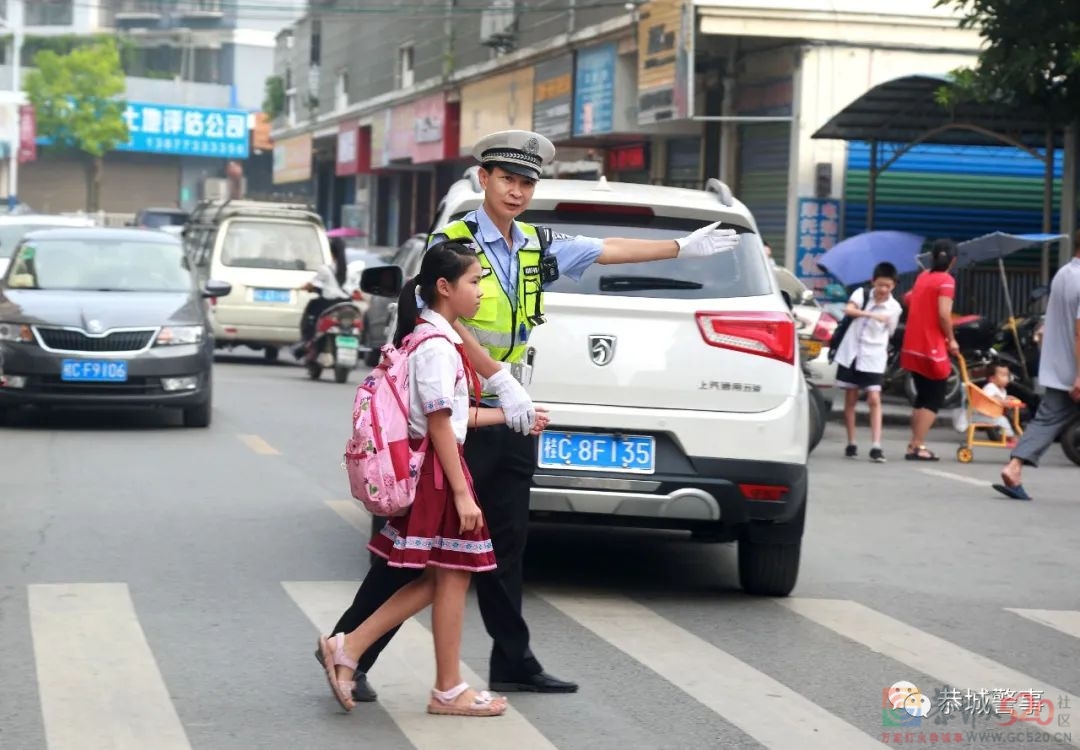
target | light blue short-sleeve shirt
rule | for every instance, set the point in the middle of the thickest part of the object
(575, 254)
(1057, 363)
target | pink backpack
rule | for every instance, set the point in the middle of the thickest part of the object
(383, 468)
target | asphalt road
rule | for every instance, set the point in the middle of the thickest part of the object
(162, 588)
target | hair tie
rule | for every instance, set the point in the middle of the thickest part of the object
(419, 301)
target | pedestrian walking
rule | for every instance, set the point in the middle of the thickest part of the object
(1059, 374)
(928, 343)
(519, 260)
(863, 354)
(443, 532)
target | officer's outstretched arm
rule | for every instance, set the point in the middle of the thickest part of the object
(484, 364)
(622, 250)
(705, 241)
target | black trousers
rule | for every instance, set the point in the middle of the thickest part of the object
(501, 462)
(312, 311)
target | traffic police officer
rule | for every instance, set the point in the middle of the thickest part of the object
(519, 260)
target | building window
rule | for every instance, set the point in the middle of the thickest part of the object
(405, 67)
(316, 42)
(341, 90)
(50, 13)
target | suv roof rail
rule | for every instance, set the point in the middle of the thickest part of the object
(212, 210)
(723, 192)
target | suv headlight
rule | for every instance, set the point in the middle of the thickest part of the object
(16, 332)
(179, 335)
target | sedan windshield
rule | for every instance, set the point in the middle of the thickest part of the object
(100, 264)
(10, 234)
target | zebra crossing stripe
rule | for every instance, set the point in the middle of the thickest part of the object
(353, 514)
(745, 697)
(404, 676)
(99, 684)
(953, 665)
(1064, 620)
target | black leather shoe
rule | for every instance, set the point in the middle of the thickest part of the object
(363, 692)
(540, 682)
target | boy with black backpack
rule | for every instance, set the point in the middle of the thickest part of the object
(863, 352)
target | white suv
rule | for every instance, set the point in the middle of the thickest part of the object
(676, 396)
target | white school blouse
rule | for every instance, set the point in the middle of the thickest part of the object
(437, 380)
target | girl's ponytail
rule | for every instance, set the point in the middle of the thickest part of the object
(407, 312)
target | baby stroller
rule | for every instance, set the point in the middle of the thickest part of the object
(977, 404)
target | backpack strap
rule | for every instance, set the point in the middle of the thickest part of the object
(415, 339)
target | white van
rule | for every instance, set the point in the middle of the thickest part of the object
(267, 251)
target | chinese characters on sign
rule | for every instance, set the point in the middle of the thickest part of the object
(594, 90)
(186, 131)
(818, 231)
(1003, 715)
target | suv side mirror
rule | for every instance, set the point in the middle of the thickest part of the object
(382, 281)
(807, 297)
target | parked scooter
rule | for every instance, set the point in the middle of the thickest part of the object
(336, 343)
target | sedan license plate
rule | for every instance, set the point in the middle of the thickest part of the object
(588, 451)
(94, 371)
(271, 295)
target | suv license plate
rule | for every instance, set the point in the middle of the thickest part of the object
(589, 451)
(94, 371)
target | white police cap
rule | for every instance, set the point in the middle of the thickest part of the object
(519, 151)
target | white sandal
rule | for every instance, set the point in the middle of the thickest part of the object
(443, 703)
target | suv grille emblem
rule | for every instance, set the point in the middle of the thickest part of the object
(601, 349)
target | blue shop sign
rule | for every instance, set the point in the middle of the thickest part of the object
(594, 90)
(186, 131)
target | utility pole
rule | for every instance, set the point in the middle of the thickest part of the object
(15, 26)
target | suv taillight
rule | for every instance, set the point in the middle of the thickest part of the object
(767, 334)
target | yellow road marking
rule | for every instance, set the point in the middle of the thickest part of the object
(258, 445)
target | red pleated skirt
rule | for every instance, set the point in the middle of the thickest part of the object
(430, 533)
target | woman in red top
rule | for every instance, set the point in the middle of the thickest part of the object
(928, 343)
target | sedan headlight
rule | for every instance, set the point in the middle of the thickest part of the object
(179, 335)
(15, 332)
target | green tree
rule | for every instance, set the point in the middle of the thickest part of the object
(1031, 57)
(274, 97)
(78, 103)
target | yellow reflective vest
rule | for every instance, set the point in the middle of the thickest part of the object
(501, 327)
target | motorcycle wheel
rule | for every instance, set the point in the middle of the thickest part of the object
(818, 417)
(341, 374)
(314, 371)
(1070, 440)
(952, 387)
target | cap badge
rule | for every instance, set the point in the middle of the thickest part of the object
(531, 146)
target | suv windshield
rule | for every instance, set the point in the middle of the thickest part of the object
(281, 245)
(100, 265)
(740, 273)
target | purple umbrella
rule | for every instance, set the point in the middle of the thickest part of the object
(852, 261)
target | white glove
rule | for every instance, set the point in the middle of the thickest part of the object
(514, 400)
(707, 241)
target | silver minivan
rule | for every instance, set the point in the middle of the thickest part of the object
(267, 252)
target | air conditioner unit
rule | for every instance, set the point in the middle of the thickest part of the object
(215, 188)
(498, 25)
